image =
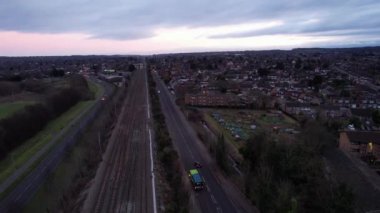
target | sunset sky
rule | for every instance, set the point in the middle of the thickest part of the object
(71, 27)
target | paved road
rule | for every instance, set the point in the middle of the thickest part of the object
(123, 182)
(26, 189)
(214, 199)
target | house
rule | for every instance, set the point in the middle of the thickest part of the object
(297, 108)
(360, 143)
(331, 111)
(212, 98)
(362, 114)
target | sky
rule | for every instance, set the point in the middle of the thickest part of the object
(80, 27)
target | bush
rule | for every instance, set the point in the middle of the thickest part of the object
(9, 88)
(21, 126)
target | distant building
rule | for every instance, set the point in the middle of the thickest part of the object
(361, 143)
(109, 71)
(297, 108)
(139, 66)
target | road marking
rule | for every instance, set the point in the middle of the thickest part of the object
(147, 96)
(152, 170)
(213, 198)
(219, 210)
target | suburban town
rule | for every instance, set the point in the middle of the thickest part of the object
(210, 106)
(256, 131)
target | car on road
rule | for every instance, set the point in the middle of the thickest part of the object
(196, 179)
(197, 165)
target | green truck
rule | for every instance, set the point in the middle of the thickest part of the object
(196, 179)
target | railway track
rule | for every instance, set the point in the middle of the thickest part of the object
(124, 183)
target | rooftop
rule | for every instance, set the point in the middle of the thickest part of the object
(364, 136)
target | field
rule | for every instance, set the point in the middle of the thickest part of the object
(7, 109)
(23, 153)
(239, 125)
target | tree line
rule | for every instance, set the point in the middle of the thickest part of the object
(26, 123)
(291, 177)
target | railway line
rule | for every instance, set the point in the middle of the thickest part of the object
(122, 182)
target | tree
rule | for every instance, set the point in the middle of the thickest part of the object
(131, 68)
(343, 199)
(376, 117)
(195, 115)
(255, 149)
(345, 93)
(283, 202)
(316, 137)
(280, 65)
(263, 71)
(317, 80)
(9, 88)
(298, 63)
(221, 154)
(356, 122)
(57, 72)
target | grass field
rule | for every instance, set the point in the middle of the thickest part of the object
(7, 109)
(23, 153)
(95, 88)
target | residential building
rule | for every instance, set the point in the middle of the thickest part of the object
(361, 143)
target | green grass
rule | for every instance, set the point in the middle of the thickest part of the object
(20, 155)
(7, 109)
(97, 89)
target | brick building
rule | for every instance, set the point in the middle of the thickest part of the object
(361, 143)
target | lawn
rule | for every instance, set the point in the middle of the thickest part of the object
(7, 109)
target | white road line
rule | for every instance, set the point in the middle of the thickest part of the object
(147, 96)
(152, 170)
(213, 199)
(219, 210)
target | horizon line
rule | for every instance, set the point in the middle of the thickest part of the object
(195, 52)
